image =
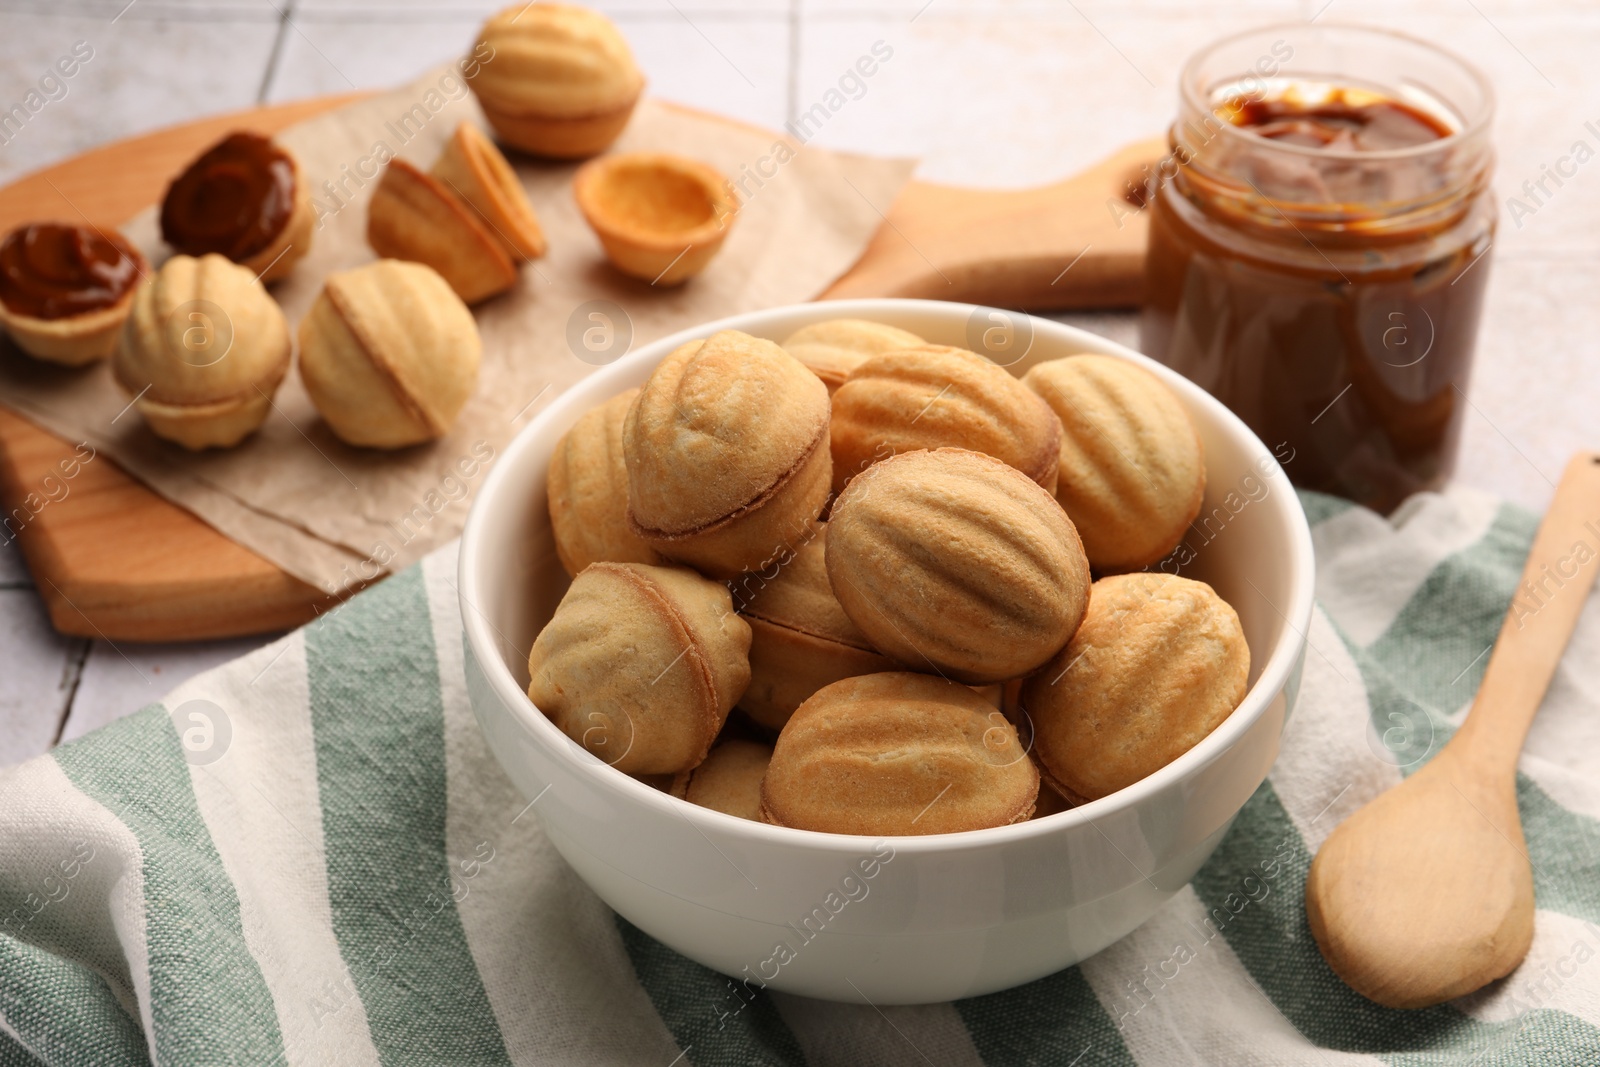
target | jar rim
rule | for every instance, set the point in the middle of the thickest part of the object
(1473, 126)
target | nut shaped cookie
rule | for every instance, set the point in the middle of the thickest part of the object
(934, 396)
(473, 169)
(641, 665)
(388, 354)
(414, 216)
(727, 452)
(202, 352)
(898, 753)
(729, 780)
(801, 639)
(562, 82)
(1131, 472)
(1158, 663)
(834, 348)
(587, 491)
(956, 563)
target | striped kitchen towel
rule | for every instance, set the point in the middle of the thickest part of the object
(309, 857)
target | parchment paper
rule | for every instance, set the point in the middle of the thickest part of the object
(337, 516)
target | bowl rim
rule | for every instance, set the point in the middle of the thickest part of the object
(1272, 680)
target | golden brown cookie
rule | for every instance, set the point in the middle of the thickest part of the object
(1131, 473)
(1158, 663)
(727, 452)
(837, 346)
(202, 352)
(834, 348)
(414, 216)
(588, 491)
(388, 354)
(659, 217)
(954, 562)
(898, 753)
(935, 396)
(66, 290)
(729, 780)
(560, 80)
(801, 638)
(640, 665)
(473, 169)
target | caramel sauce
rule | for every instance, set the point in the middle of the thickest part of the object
(1351, 342)
(1343, 120)
(50, 270)
(233, 200)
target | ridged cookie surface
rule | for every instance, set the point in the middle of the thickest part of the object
(955, 563)
(640, 665)
(1158, 663)
(898, 753)
(1131, 472)
(935, 396)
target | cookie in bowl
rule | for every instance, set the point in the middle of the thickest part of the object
(66, 290)
(835, 347)
(587, 492)
(641, 665)
(1131, 472)
(801, 638)
(729, 780)
(388, 354)
(243, 198)
(1158, 663)
(898, 753)
(563, 82)
(660, 217)
(956, 563)
(936, 396)
(727, 454)
(202, 352)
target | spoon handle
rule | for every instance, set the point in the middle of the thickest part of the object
(1556, 580)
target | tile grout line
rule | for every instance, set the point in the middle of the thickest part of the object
(792, 100)
(71, 679)
(275, 57)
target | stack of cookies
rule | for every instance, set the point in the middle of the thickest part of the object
(846, 583)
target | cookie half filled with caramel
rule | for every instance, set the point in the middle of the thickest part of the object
(243, 198)
(66, 290)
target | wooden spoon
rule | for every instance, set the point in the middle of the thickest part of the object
(1426, 893)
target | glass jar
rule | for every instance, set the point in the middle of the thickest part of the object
(1329, 294)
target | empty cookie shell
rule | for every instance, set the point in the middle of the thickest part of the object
(659, 217)
(473, 169)
(414, 216)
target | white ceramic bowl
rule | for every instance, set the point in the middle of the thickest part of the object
(906, 919)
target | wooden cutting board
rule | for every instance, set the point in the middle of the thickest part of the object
(114, 560)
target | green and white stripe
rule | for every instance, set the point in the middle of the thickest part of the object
(355, 882)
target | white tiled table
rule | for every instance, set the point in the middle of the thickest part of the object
(986, 92)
